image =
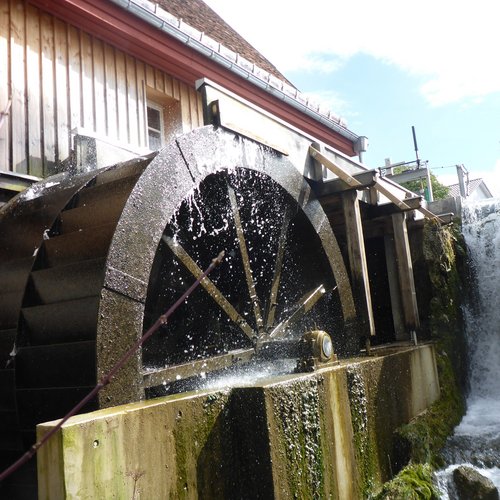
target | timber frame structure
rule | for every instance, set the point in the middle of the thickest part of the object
(86, 84)
(76, 82)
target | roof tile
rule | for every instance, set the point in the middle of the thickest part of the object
(199, 15)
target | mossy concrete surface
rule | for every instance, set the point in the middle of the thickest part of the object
(153, 449)
(327, 434)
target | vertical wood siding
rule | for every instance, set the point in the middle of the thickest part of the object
(60, 78)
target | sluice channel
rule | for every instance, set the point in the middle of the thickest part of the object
(476, 441)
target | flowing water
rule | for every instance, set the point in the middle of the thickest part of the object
(476, 440)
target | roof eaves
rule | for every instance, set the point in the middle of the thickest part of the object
(156, 16)
(472, 185)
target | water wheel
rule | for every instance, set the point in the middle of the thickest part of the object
(89, 262)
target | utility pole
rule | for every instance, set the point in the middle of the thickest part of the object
(430, 194)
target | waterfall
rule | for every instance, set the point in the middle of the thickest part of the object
(476, 440)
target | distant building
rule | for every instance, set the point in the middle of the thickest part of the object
(475, 189)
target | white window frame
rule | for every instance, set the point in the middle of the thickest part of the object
(160, 109)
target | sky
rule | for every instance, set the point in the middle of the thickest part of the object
(387, 65)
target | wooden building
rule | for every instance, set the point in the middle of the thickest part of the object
(89, 83)
(124, 74)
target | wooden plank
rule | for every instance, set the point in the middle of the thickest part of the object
(159, 81)
(336, 186)
(185, 111)
(173, 120)
(133, 125)
(99, 87)
(201, 120)
(357, 261)
(34, 78)
(408, 175)
(4, 85)
(121, 91)
(386, 209)
(429, 215)
(394, 290)
(75, 78)
(405, 271)
(336, 169)
(176, 91)
(383, 189)
(209, 286)
(304, 305)
(62, 93)
(169, 85)
(150, 76)
(48, 94)
(192, 368)
(18, 85)
(246, 259)
(111, 93)
(193, 106)
(87, 96)
(141, 103)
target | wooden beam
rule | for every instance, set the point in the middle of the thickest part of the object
(429, 215)
(374, 211)
(333, 167)
(408, 175)
(304, 305)
(383, 189)
(335, 186)
(193, 368)
(357, 261)
(394, 288)
(405, 271)
(209, 286)
(369, 179)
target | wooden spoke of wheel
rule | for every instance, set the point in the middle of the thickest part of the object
(271, 311)
(209, 286)
(246, 259)
(304, 305)
(192, 368)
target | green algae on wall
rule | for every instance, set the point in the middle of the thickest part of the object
(296, 414)
(364, 442)
(200, 445)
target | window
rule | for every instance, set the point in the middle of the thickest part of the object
(155, 126)
(163, 118)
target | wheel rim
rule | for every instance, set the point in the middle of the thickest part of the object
(237, 177)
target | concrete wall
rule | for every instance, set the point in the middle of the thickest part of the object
(326, 434)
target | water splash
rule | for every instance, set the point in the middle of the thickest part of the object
(249, 375)
(476, 440)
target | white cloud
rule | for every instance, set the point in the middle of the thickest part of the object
(490, 177)
(329, 99)
(452, 44)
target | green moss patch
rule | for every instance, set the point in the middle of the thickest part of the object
(414, 482)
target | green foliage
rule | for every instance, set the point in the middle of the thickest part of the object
(439, 191)
(414, 482)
